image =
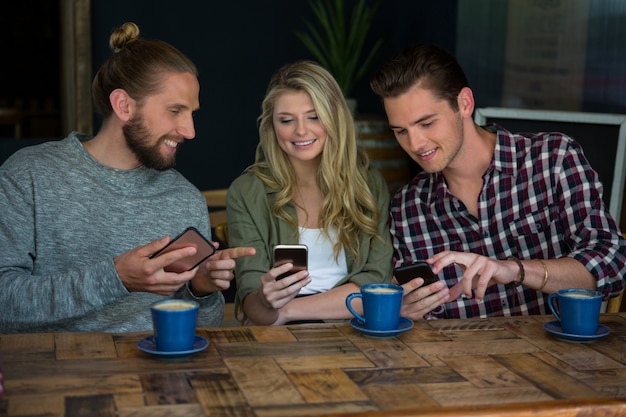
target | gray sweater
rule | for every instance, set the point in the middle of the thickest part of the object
(64, 217)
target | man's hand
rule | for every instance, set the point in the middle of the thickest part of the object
(216, 273)
(479, 272)
(418, 300)
(139, 273)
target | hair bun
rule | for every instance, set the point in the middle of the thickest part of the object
(122, 35)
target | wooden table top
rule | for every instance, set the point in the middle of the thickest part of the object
(498, 366)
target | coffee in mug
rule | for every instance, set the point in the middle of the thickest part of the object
(174, 324)
(577, 309)
(175, 305)
(382, 290)
(381, 306)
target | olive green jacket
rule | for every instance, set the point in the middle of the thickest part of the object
(251, 223)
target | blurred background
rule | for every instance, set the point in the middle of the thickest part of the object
(551, 54)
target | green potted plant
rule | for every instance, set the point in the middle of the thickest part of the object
(338, 44)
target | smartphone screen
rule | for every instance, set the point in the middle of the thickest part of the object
(295, 254)
(406, 273)
(189, 237)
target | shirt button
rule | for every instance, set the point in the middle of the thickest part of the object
(485, 235)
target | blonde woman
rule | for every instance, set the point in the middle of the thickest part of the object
(310, 184)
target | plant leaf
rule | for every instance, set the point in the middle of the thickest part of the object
(338, 44)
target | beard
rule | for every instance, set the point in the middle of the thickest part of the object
(138, 138)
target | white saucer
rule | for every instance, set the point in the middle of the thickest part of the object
(404, 325)
(147, 345)
(554, 327)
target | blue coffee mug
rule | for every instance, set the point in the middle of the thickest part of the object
(174, 324)
(381, 306)
(577, 309)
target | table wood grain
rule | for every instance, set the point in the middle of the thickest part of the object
(498, 366)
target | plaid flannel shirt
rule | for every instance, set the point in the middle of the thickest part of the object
(540, 200)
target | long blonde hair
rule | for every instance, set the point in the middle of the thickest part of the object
(348, 204)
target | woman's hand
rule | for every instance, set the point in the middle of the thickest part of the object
(263, 306)
(275, 293)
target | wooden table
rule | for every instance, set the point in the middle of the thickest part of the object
(488, 367)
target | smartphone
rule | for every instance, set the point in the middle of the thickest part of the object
(406, 273)
(298, 255)
(189, 237)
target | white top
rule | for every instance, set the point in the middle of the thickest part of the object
(323, 269)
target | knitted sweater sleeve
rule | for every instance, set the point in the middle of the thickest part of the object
(63, 220)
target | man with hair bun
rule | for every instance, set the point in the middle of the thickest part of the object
(80, 217)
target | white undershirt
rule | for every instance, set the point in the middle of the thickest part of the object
(323, 269)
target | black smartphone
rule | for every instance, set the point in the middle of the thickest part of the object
(189, 237)
(406, 273)
(298, 255)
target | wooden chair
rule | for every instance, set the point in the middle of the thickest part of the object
(614, 304)
(13, 117)
(232, 318)
(216, 203)
(221, 233)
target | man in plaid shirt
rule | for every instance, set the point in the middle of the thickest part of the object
(504, 219)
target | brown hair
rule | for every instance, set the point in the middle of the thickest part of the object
(431, 66)
(136, 67)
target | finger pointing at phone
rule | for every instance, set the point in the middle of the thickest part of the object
(216, 273)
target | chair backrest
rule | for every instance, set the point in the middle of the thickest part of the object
(216, 203)
(13, 117)
(614, 304)
(221, 233)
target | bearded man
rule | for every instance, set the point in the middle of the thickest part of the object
(81, 217)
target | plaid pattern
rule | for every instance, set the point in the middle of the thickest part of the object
(540, 200)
